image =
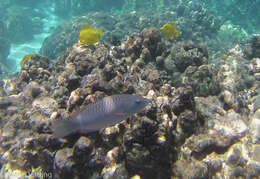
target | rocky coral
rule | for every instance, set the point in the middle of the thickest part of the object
(201, 127)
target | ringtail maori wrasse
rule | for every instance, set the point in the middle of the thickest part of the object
(105, 112)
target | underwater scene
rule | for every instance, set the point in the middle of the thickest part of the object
(129, 89)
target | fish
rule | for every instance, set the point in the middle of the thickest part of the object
(88, 35)
(26, 57)
(224, 57)
(2, 88)
(170, 30)
(105, 112)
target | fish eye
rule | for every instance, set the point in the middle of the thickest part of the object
(138, 101)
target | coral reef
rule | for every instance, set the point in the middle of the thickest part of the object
(203, 121)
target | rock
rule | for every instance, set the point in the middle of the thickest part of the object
(253, 170)
(114, 171)
(256, 45)
(202, 80)
(229, 128)
(97, 159)
(110, 135)
(8, 172)
(256, 65)
(35, 68)
(109, 72)
(256, 105)
(151, 37)
(10, 87)
(169, 64)
(69, 79)
(256, 153)
(235, 156)
(185, 55)
(138, 156)
(238, 172)
(223, 131)
(82, 148)
(190, 168)
(8, 132)
(134, 44)
(5, 102)
(12, 110)
(33, 90)
(182, 99)
(64, 163)
(252, 50)
(228, 99)
(113, 156)
(45, 105)
(40, 122)
(187, 121)
(160, 61)
(76, 98)
(208, 108)
(255, 130)
(214, 164)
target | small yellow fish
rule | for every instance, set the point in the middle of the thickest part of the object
(26, 57)
(224, 57)
(89, 35)
(170, 30)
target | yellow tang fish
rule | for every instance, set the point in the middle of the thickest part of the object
(26, 57)
(89, 35)
(170, 30)
(224, 57)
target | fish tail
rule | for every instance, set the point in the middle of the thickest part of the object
(100, 31)
(62, 128)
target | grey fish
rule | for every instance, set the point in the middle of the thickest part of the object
(2, 85)
(107, 111)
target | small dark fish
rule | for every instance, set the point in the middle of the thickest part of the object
(107, 111)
